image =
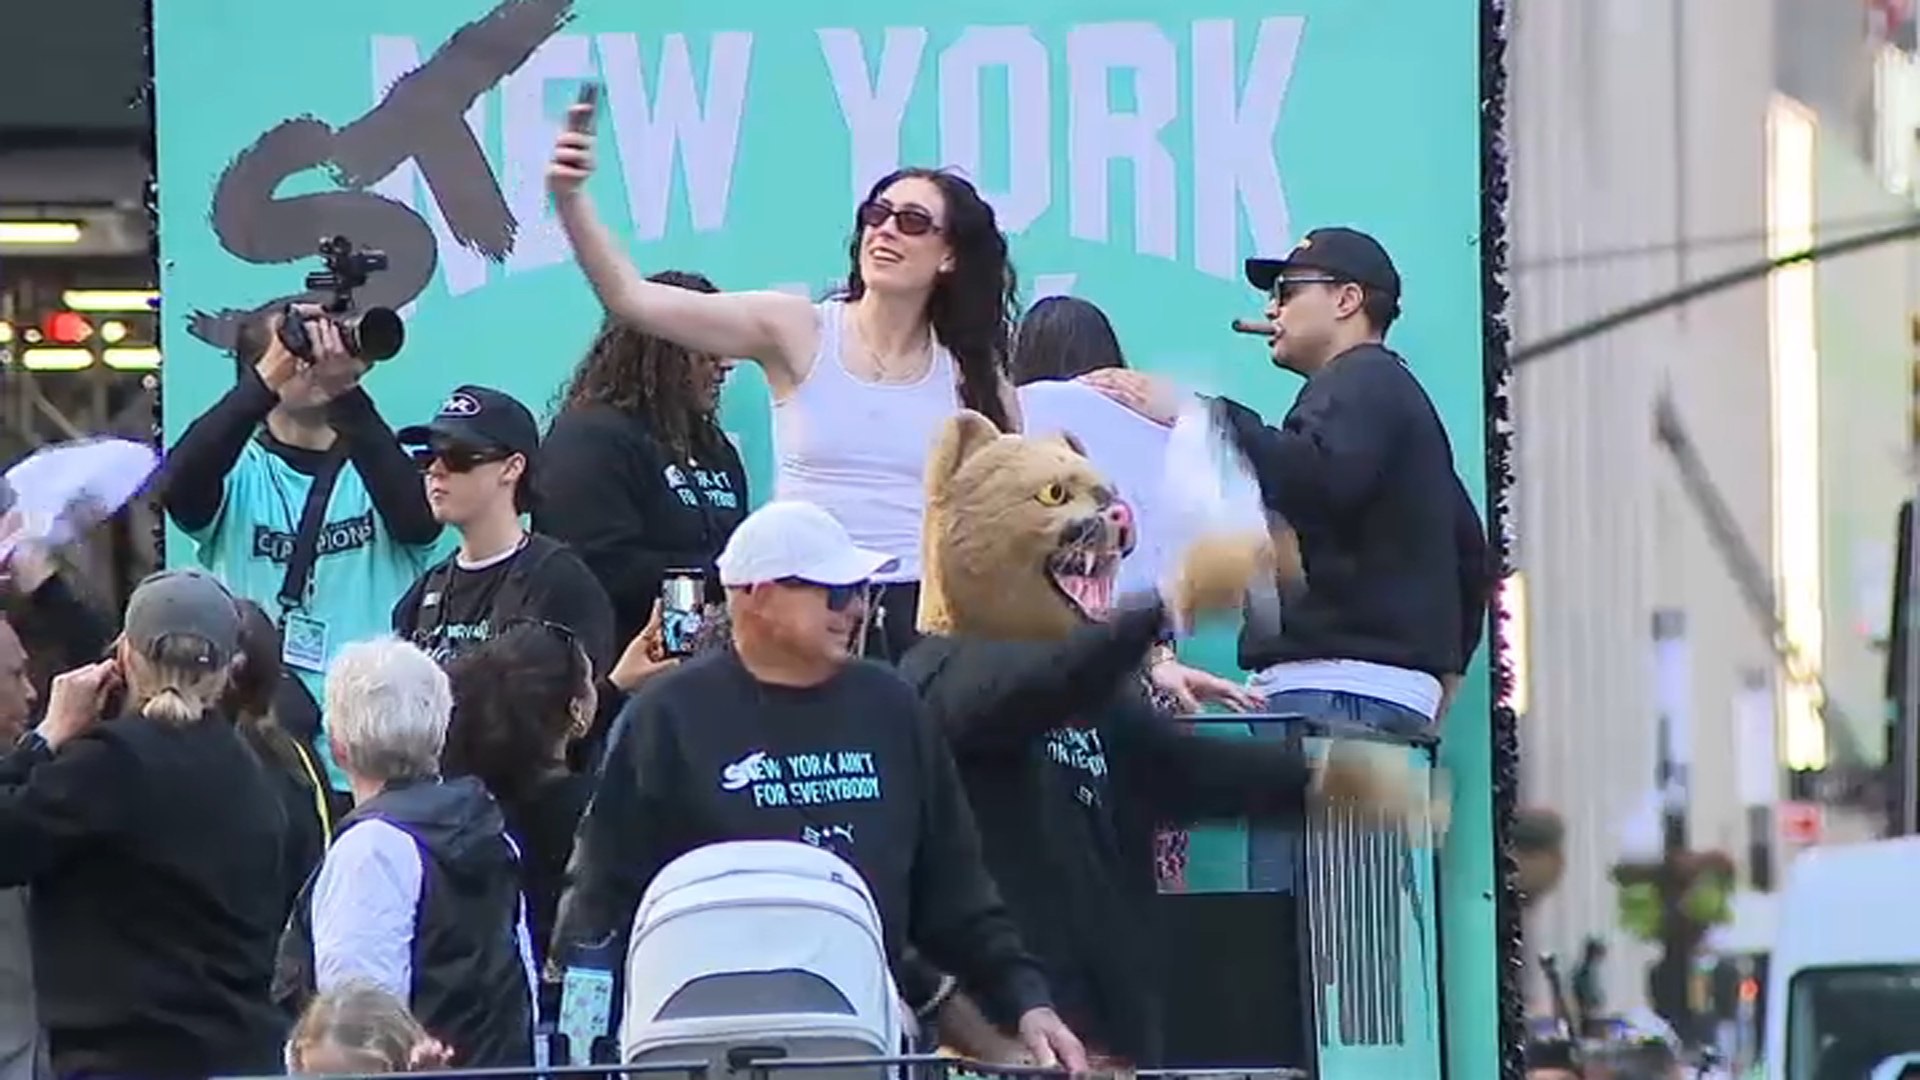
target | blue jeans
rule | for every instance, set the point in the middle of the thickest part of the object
(1273, 852)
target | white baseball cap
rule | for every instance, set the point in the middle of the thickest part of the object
(791, 539)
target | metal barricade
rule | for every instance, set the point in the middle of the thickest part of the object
(905, 1067)
(1363, 906)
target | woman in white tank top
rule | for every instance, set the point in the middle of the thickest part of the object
(861, 383)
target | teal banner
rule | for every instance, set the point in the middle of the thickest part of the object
(1136, 152)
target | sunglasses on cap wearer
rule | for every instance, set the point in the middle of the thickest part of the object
(838, 596)
(457, 459)
(910, 220)
(1284, 288)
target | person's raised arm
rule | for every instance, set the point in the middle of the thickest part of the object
(193, 477)
(393, 481)
(993, 696)
(773, 329)
(69, 785)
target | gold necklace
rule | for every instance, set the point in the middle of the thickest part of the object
(880, 364)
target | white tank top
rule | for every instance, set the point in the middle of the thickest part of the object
(859, 449)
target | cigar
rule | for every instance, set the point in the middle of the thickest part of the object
(1242, 326)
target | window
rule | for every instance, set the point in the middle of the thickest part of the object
(1844, 1021)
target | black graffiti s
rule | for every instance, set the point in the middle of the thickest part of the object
(420, 118)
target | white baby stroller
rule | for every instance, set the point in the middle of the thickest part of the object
(759, 949)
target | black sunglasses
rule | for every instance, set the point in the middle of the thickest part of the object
(910, 220)
(1284, 288)
(838, 596)
(456, 459)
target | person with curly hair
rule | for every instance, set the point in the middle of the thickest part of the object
(639, 478)
(862, 381)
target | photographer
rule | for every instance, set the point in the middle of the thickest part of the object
(298, 495)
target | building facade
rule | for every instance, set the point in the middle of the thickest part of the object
(1639, 144)
(1657, 145)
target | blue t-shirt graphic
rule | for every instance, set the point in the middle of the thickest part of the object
(358, 574)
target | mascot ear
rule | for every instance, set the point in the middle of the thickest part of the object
(963, 437)
(1073, 443)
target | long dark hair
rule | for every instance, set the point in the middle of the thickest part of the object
(972, 308)
(512, 707)
(650, 378)
(250, 694)
(1062, 337)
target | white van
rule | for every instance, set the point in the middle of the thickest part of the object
(1843, 993)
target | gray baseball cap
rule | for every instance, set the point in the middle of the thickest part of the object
(185, 603)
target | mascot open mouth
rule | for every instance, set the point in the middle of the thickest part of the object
(1084, 576)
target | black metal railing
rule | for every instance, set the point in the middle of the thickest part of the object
(906, 1066)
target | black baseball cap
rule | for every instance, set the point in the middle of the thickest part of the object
(1341, 252)
(481, 418)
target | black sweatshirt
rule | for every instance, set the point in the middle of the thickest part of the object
(1396, 559)
(59, 630)
(193, 478)
(630, 509)
(154, 854)
(1070, 771)
(452, 608)
(707, 753)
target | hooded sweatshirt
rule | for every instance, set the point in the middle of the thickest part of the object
(440, 849)
(1070, 771)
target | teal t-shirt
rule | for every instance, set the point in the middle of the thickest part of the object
(358, 575)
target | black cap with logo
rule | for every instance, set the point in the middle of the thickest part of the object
(1348, 254)
(479, 418)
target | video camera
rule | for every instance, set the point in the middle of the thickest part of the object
(374, 334)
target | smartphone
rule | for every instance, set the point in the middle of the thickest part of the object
(683, 599)
(581, 123)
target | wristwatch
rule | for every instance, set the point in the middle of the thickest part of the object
(33, 743)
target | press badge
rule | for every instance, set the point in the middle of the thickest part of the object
(586, 1011)
(303, 642)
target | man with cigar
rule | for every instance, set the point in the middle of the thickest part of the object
(1392, 603)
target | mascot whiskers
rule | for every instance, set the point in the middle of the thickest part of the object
(1032, 668)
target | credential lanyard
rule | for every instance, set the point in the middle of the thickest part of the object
(306, 536)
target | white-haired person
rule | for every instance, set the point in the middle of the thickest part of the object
(151, 840)
(419, 893)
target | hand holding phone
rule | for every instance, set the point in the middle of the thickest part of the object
(572, 160)
(683, 598)
(585, 108)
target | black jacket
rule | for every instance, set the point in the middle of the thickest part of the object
(469, 983)
(1397, 569)
(59, 630)
(1070, 771)
(154, 854)
(630, 509)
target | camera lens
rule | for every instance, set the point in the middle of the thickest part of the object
(375, 334)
